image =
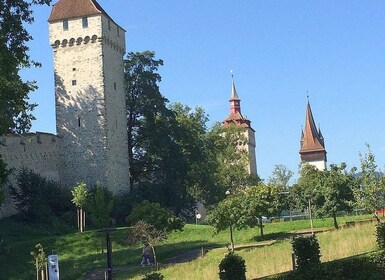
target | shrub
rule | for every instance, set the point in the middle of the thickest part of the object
(232, 267)
(153, 276)
(37, 198)
(100, 206)
(156, 215)
(380, 235)
(306, 251)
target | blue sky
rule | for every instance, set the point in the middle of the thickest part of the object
(278, 50)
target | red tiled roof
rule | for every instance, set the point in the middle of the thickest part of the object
(65, 9)
(311, 139)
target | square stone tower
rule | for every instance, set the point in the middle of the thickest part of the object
(88, 48)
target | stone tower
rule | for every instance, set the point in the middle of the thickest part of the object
(88, 48)
(236, 118)
(312, 143)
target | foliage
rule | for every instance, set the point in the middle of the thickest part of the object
(160, 153)
(153, 276)
(100, 206)
(122, 206)
(146, 233)
(281, 176)
(306, 251)
(232, 267)
(262, 200)
(37, 198)
(371, 193)
(40, 258)
(329, 191)
(3, 178)
(156, 215)
(380, 235)
(14, 106)
(80, 195)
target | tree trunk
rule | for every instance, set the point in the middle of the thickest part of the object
(231, 238)
(335, 220)
(376, 216)
(260, 224)
(155, 259)
(81, 219)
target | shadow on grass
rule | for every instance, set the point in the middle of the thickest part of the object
(274, 236)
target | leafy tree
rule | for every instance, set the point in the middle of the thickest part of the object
(229, 214)
(36, 198)
(262, 200)
(146, 233)
(154, 214)
(371, 193)
(79, 198)
(40, 259)
(336, 192)
(100, 206)
(3, 178)
(281, 176)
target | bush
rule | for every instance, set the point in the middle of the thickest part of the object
(306, 251)
(100, 206)
(156, 215)
(232, 267)
(37, 198)
(153, 276)
(380, 235)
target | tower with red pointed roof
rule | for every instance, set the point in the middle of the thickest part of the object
(236, 118)
(88, 48)
(312, 143)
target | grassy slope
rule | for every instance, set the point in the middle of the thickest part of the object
(79, 253)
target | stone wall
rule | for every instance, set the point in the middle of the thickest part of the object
(36, 151)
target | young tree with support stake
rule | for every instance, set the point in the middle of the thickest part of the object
(80, 197)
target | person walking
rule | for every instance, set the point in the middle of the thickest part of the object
(146, 255)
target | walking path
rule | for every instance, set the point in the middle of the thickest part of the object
(179, 257)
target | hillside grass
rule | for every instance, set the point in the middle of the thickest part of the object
(82, 252)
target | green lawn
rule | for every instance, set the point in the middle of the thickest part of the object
(79, 253)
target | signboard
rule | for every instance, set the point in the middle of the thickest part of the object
(53, 267)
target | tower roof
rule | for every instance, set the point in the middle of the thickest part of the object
(311, 139)
(65, 9)
(236, 116)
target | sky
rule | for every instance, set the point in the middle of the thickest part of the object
(279, 50)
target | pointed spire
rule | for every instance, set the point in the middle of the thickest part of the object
(312, 142)
(235, 101)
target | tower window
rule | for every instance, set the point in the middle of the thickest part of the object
(65, 24)
(74, 82)
(85, 22)
(109, 25)
(114, 86)
(79, 122)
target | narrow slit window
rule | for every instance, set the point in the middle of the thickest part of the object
(74, 82)
(79, 122)
(109, 25)
(65, 24)
(85, 22)
(114, 86)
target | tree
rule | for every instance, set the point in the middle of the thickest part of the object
(154, 214)
(14, 106)
(15, 109)
(230, 214)
(100, 206)
(79, 198)
(40, 259)
(3, 178)
(336, 192)
(145, 233)
(262, 200)
(371, 192)
(281, 176)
